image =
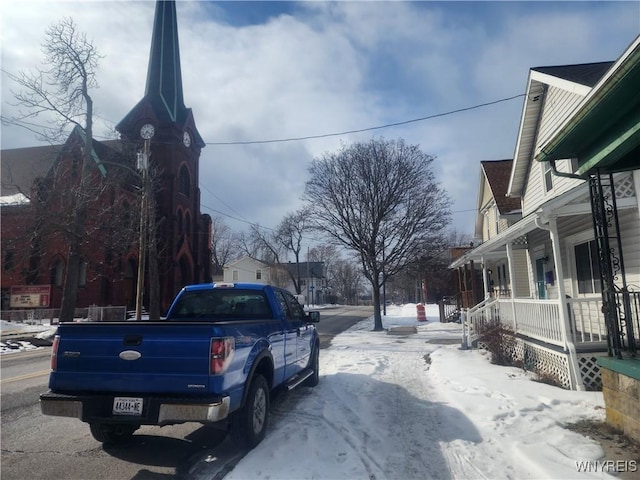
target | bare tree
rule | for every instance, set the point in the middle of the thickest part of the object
(277, 246)
(345, 278)
(223, 245)
(379, 199)
(63, 90)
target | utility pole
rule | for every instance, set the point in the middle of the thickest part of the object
(143, 165)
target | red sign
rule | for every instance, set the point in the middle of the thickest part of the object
(30, 296)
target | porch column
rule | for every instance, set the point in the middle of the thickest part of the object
(562, 303)
(510, 262)
(512, 283)
(485, 277)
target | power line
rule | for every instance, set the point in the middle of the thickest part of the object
(368, 129)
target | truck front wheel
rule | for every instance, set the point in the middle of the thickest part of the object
(112, 433)
(249, 424)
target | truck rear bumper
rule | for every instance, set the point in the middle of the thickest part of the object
(156, 410)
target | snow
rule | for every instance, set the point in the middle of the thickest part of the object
(15, 199)
(417, 406)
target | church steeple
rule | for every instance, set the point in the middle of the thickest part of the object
(163, 101)
(164, 77)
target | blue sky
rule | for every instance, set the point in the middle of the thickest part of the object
(277, 70)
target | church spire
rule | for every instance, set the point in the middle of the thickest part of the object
(164, 77)
(163, 102)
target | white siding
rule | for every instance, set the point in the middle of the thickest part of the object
(521, 274)
(246, 269)
(558, 106)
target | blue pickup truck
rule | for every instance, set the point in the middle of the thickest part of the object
(215, 359)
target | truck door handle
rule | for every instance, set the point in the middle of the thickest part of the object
(132, 340)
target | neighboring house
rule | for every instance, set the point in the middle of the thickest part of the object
(247, 269)
(309, 276)
(556, 313)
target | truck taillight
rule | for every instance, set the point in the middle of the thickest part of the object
(54, 352)
(221, 354)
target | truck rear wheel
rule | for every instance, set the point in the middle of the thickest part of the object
(249, 424)
(112, 433)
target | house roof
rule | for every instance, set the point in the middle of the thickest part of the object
(585, 73)
(604, 131)
(497, 173)
(577, 78)
(307, 269)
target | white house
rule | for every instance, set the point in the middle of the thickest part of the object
(247, 269)
(556, 312)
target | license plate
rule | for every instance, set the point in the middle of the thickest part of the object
(127, 406)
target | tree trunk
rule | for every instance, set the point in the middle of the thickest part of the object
(377, 325)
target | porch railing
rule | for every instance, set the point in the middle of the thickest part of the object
(540, 319)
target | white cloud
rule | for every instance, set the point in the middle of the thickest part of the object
(325, 68)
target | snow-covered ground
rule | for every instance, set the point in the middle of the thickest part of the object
(417, 407)
(409, 407)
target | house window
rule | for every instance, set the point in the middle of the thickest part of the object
(587, 267)
(548, 177)
(234, 275)
(258, 274)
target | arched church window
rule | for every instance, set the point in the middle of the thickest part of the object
(57, 272)
(180, 225)
(187, 224)
(184, 180)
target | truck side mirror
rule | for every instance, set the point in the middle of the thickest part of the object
(313, 317)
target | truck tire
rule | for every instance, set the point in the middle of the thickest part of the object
(111, 433)
(314, 364)
(249, 424)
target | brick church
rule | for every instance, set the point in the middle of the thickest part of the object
(34, 252)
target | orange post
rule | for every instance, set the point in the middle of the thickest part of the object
(422, 317)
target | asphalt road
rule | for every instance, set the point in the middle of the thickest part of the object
(35, 446)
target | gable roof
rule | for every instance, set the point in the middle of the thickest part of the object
(497, 173)
(585, 73)
(577, 78)
(604, 130)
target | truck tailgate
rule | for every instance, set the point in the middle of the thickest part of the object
(128, 357)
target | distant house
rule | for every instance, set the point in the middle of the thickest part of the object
(540, 262)
(309, 276)
(247, 269)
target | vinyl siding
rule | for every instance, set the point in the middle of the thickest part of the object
(558, 106)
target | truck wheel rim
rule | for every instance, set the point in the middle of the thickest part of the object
(259, 410)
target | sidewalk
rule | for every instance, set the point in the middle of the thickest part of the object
(416, 406)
